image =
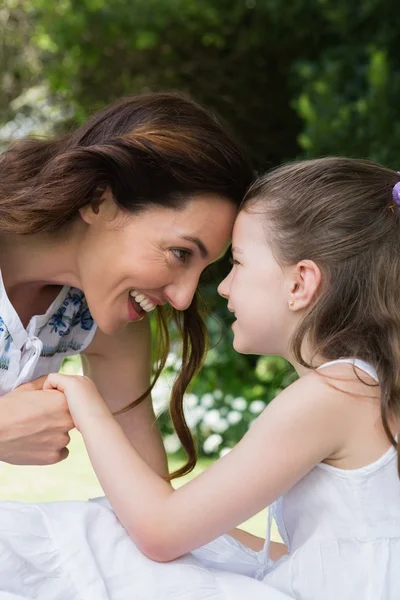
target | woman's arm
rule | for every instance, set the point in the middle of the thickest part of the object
(120, 366)
(307, 423)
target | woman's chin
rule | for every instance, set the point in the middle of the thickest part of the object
(108, 325)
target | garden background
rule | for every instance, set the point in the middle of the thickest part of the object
(295, 79)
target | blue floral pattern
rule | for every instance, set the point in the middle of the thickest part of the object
(63, 332)
(72, 315)
(6, 341)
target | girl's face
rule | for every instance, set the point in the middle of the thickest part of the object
(156, 256)
(257, 290)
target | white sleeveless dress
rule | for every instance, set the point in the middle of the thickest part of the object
(342, 529)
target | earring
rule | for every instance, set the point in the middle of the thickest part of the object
(291, 303)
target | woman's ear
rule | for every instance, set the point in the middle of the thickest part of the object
(305, 281)
(90, 212)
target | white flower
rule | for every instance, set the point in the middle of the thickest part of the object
(194, 415)
(207, 400)
(224, 451)
(171, 443)
(220, 426)
(161, 393)
(211, 443)
(190, 400)
(257, 406)
(218, 395)
(239, 403)
(173, 361)
(234, 416)
(211, 418)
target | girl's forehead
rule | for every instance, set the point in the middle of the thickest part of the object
(248, 228)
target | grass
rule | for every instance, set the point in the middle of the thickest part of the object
(74, 479)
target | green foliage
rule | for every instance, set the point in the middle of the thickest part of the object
(348, 98)
(232, 56)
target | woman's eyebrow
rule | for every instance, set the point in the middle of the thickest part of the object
(199, 244)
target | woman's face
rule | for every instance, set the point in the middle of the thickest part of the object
(154, 257)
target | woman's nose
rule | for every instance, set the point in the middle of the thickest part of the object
(180, 296)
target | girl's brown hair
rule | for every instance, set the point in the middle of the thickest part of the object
(155, 149)
(340, 213)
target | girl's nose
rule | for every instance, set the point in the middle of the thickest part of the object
(223, 288)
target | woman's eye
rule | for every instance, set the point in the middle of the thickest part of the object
(182, 255)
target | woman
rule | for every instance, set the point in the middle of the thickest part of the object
(97, 229)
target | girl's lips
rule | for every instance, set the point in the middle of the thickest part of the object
(135, 311)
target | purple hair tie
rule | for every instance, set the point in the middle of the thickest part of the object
(396, 193)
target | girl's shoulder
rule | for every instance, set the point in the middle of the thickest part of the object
(333, 396)
(335, 380)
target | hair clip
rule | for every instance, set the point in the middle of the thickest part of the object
(396, 196)
(396, 193)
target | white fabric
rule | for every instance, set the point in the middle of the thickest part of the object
(79, 551)
(342, 527)
(25, 354)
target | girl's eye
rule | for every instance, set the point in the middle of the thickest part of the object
(233, 261)
(182, 255)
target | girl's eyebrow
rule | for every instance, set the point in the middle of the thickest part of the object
(237, 250)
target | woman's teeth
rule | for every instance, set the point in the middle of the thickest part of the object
(143, 300)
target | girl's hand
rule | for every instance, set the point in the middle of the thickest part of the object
(84, 400)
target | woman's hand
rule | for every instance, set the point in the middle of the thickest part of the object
(84, 400)
(34, 425)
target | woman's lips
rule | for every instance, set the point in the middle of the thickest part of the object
(136, 312)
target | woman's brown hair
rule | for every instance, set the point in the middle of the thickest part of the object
(340, 213)
(155, 149)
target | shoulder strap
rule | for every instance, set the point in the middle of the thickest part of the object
(360, 364)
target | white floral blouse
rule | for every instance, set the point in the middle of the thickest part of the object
(66, 328)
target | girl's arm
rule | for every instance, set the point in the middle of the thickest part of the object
(120, 366)
(306, 424)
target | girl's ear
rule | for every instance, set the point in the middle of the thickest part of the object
(305, 281)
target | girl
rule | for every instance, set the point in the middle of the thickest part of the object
(315, 278)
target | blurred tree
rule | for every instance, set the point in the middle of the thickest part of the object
(19, 61)
(232, 56)
(349, 100)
